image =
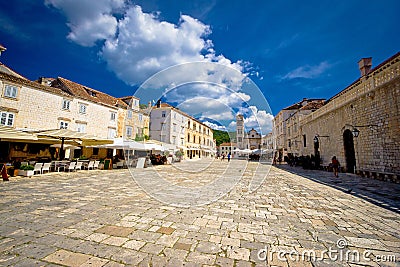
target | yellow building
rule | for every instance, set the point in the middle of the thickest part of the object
(200, 141)
(173, 126)
(134, 121)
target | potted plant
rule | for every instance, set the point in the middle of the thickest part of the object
(178, 155)
(101, 165)
(26, 170)
(17, 166)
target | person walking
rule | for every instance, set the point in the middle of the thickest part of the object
(229, 156)
(222, 156)
(335, 166)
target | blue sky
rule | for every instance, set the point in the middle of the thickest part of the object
(290, 49)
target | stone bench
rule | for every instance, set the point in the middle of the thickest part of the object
(379, 175)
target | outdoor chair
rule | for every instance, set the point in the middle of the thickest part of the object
(96, 164)
(46, 167)
(78, 166)
(120, 164)
(38, 168)
(71, 166)
(90, 165)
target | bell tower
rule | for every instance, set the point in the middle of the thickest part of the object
(240, 131)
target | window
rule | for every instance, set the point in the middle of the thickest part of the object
(174, 127)
(304, 140)
(163, 113)
(174, 115)
(64, 125)
(162, 126)
(188, 137)
(113, 116)
(65, 104)
(7, 119)
(174, 140)
(289, 143)
(81, 127)
(129, 131)
(90, 92)
(10, 91)
(82, 108)
(95, 151)
(129, 114)
(140, 117)
(111, 133)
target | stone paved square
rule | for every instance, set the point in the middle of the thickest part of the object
(103, 218)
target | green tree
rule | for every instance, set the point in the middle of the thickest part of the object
(223, 137)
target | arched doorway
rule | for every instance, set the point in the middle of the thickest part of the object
(349, 150)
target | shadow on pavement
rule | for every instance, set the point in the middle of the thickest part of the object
(380, 193)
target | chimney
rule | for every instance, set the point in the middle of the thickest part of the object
(2, 49)
(365, 65)
(158, 103)
(149, 104)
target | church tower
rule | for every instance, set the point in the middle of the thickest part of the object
(240, 132)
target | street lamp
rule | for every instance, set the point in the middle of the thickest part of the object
(355, 132)
(316, 140)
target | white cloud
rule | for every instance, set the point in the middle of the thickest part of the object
(208, 108)
(259, 120)
(136, 45)
(215, 126)
(139, 44)
(89, 20)
(307, 71)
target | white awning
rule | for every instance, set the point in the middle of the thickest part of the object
(11, 135)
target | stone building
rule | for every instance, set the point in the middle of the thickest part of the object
(246, 140)
(294, 137)
(240, 132)
(225, 148)
(167, 124)
(280, 130)
(267, 142)
(87, 110)
(173, 126)
(360, 124)
(50, 103)
(134, 121)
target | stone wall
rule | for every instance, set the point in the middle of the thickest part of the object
(371, 105)
(41, 110)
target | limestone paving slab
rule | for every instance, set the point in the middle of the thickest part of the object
(103, 218)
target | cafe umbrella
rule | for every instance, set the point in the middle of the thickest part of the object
(66, 134)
